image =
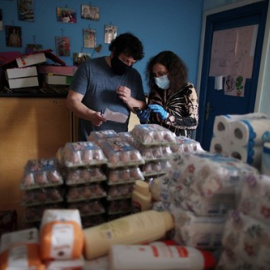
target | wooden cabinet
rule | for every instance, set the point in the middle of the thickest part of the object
(30, 128)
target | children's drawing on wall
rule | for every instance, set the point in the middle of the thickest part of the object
(62, 46)
(90, 12)
(79, 58)
(234, 86)
(89, 38)
(13, 36)
(110, 33)
(26, 10)
(1, 20)
(32, 48)
(66, 15)
(232, 56)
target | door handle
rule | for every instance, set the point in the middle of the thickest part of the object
(207, 110)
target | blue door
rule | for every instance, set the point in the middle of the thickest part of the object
(214, 102)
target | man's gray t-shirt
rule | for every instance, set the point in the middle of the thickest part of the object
(98, 83)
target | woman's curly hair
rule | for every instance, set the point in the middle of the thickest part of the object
(128, 44)
(178, 72)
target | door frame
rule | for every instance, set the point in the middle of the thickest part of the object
(263, 64)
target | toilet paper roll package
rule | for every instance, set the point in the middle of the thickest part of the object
(208, 174)
(248, 238)
(220, 145)
(265, 164)
(20, 250)
(250, 132)
(61, 235)
(255, 198)
(251, 154)
(222, 123)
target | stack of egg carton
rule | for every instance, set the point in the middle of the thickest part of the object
(81, 162)
(154, 143)
(122, 170)
(42, 184)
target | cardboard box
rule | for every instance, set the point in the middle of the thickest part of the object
(58, 70)
(58, 79)
(23, 82)
(31, 59)
(12, 73)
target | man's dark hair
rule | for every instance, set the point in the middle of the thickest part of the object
(128, 44)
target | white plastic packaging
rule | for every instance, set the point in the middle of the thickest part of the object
(141, 197)
(159, 257)
(143, 227)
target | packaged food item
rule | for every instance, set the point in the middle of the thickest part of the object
(118, 192)
(76, 154)
(143, 227)
(159, 257)
(120, 153)
(42, 196)
(155, 168)
(76, 264)
(116, 207)
(141, 197)
(97, 136)
(20, 250)
(88, 208)
(61, 235)
(85, 192)
(81, 175)
(185, 145)
(124, 175)
(153, 134)
(41, 173)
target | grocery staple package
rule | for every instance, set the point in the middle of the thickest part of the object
(255, 198)
(41, 173)
(77, 154)
(248, 239)
(208, 174)
(192, 230)
(20, 250)
(61, 236)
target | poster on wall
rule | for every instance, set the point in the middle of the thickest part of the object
(110, 33)
(26, 10)
(90, 12)
(62, 45)
(31, 48)
(66, 15)
(79, 58)
(13, 36)
(89, 38)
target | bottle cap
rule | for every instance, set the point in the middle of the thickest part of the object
(209, 260)
(168, 220)
(142, 187)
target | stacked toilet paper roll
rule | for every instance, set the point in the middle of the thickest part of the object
(265, 165)
(241, 136)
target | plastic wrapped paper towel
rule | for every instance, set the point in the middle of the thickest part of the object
(255, 198)
(207, 174)
(248, 239)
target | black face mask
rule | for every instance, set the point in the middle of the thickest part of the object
(118, 66)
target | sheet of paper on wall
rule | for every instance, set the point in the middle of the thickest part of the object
(115, 116)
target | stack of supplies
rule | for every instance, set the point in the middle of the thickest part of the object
(42, 184)
(82, 162)
(241, 136)
(199, 189)
(22, 77)
(246, 238)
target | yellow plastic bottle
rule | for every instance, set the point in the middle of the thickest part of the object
(141, 197)
(139, 228)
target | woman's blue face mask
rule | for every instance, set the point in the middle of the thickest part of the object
(162, 82)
